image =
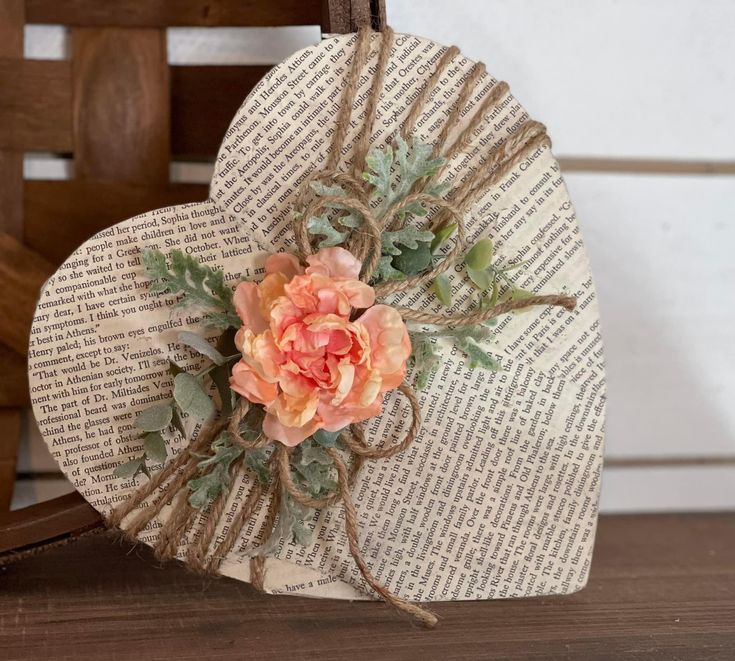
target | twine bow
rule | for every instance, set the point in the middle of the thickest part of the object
(169, 484)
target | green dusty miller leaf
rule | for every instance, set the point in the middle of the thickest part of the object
(197, 284)
(215, 472)
(257, 461)
(411, 166)
(476, 355)
(292, 525)
(380, 162)
(408, 236)
(413, 260)
(386, 271)
(155, 447)
(414, 165)
(200, 345)
(313, 477)
(155, 418)
(204, 489)
(327, 439)
(321, 226)
(425, 359)
(129, 468)
(311, 454)
(190, 396)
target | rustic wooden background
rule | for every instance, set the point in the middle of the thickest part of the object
(637, 99)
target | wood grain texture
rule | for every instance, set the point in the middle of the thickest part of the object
(342, 16)
(61, 518)
(14, 381)
(204, 99)
(12, 18)
(121, 105)
(10, 430)
(88, 207)
(662, 587)
(35, 105)
(22, 273)
(163, 13)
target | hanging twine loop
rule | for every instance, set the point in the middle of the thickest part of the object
(169, 485)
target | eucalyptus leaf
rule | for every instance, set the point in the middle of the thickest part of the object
(481, 279)
(443, 289)
(129, 468)
(518, 294)
(200, 345)
(190, 396)
(480, 255)
(155, 418)
(441, 235)
(155, 447)
(220, 376)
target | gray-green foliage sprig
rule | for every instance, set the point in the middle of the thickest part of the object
(197, 284)
(426, 358)
(394, 174)
(190, 397)
(214, 471)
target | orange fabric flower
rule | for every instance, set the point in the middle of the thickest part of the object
(303, 358)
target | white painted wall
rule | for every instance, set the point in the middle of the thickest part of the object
(640, 79)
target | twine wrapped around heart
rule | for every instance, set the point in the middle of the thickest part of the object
(170, 483)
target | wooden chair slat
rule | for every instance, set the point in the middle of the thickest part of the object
(10, 426)
(13, 384)
(121, 105)
(163, 13)
(88, 207)
(35, 105)
(14, 381)
(204, 100)
(60, 518)
(22, 274)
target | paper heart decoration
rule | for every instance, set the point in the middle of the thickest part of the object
(498, 495)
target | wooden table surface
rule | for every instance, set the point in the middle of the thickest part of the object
(662, 587)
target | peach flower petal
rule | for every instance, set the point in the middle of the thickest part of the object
(247, 306)
(252, 387)
(289, 436)
(284, 263)
(335, 263)
(302, 355)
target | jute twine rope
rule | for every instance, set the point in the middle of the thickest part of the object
(206, 552)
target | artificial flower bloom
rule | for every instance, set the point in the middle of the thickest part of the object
(303, 358)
